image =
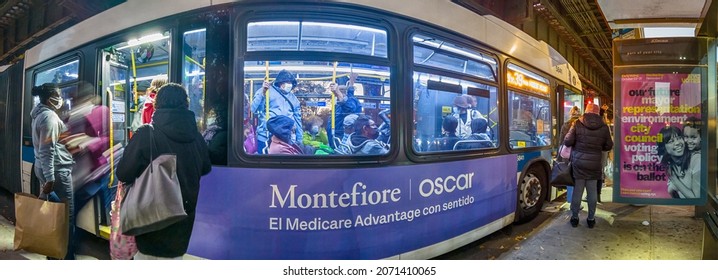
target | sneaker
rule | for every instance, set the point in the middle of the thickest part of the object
(591, 223)
(574, 222)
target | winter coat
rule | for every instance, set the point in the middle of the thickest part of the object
(278, 106)
(589, 137)
(344, 108)
(279, 147)
(361, 145)
(49, 153)
(175, 132)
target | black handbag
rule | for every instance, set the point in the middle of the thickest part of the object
(561, 174)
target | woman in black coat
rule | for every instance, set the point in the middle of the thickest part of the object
(589, 137)
(175, 132)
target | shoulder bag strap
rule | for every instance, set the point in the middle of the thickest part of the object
(290, 106)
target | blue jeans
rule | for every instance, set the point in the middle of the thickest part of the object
(62, 192)
(579, 186)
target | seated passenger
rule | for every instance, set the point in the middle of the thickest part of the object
(283, 132)
(314, 134)
(478, 130)
(478, 138)
(448, 127)
(363, 141)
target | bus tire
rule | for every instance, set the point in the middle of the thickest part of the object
(532, 190)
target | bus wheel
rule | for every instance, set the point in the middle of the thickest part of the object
(532, 191)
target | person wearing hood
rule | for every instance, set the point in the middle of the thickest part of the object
(282, 102)
(283, 132)
(363, 141)
(175, 132)
(589, 137)
(53, 162)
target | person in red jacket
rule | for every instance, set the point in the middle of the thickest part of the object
(150, 101)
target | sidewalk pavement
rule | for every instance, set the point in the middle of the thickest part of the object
(622, 232)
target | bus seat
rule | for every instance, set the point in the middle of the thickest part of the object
(473, 144)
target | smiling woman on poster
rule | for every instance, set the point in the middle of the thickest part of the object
(682, 167)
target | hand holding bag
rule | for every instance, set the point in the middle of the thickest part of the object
(154, 201)
(41, 226)
(122, 247)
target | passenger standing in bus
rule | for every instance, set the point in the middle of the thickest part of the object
(363, 141)
(346, 103)
(588, 136)
(149, 106)
(174, 130)
(53, 162)
(464, 114)
(282, 102)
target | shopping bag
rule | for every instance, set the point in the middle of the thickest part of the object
(561, 174)
(42, 226)
(122, 247)
(154, 200)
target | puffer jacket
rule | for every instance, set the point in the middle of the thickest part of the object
(175, 132)
(589, 137)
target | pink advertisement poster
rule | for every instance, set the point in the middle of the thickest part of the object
(661, 128)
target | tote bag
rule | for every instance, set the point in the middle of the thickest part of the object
(154, 201)
(41, 226)
(561, 174)
(122, 247)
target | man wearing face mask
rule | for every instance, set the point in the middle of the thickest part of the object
(363, 141)
(53, 162)
(282, 102)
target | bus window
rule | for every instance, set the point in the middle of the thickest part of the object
(309, 129)
(193, 72)
(453, 114)
(65, 73)
(316, 36)
(530, 121)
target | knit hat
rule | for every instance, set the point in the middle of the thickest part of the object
(283, 77)
(592, 108)
(281, 126)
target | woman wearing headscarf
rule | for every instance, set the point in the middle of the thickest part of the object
(589, 136)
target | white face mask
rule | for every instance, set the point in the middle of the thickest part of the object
(211, 121)
(287, 87)
(56, 102)
(293, 138)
